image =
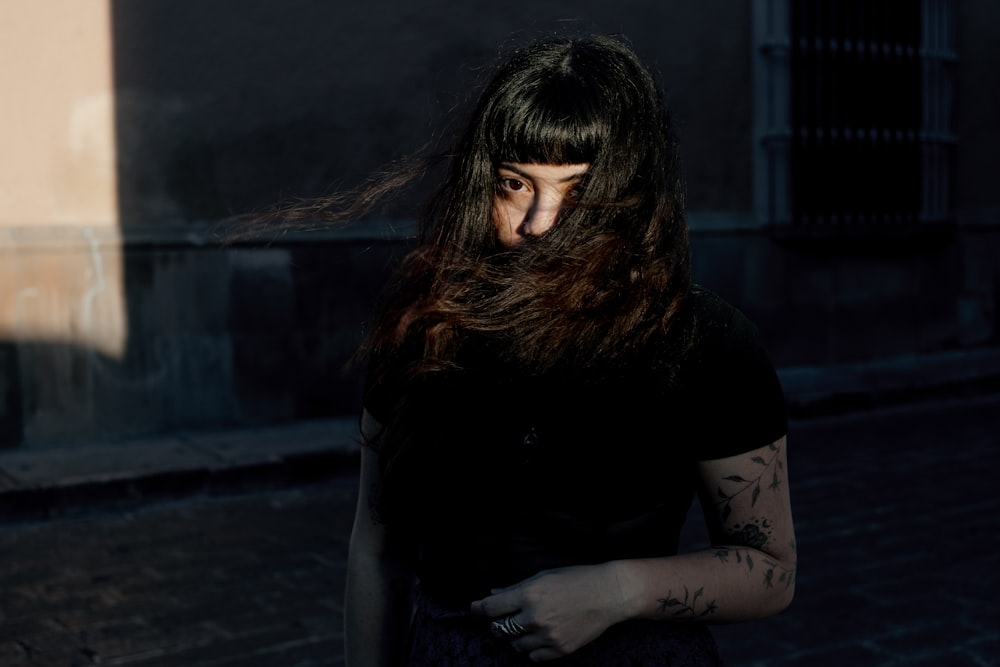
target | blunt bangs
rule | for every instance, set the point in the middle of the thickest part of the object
(551, 122)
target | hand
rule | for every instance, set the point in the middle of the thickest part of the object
(560, 610)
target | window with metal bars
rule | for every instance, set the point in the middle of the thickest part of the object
(854, 116)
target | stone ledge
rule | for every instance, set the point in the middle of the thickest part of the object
(835, 389)
(196, 235)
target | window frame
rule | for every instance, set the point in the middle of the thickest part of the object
(772, 121)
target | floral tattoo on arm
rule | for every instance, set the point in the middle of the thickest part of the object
(774, 573)
(752, 536)
(755, 533)
(688, 607)
(769, 474)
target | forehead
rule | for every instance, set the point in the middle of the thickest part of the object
(555, 173)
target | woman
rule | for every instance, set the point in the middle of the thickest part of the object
(547, 392)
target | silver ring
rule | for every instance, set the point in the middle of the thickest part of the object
(509, 627)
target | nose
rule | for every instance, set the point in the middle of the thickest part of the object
(543, 214)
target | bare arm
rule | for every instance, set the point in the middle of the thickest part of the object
(378, 598)
(749, 572)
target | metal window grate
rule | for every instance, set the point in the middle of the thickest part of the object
(870, 111)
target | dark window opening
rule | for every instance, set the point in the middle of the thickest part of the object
(870, 137)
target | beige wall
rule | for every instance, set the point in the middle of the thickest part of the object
(59, 262)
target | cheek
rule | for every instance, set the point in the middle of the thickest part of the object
(499, 215)
(502, 213)
(504, 222)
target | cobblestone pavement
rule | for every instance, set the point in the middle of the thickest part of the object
(252, 580)
(897, 527)
(896, 518)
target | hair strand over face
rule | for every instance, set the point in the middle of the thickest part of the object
(608, 278)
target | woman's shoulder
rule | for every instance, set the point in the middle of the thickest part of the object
(710, 308)
(710, 340)
(713, 321)
(737, 396)
(705, 320)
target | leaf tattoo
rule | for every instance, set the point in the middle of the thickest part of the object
(774, 464)
(742, 556)
(687, 607)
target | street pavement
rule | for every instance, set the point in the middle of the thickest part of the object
(896, 516)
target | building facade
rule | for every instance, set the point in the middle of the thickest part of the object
(842, 187)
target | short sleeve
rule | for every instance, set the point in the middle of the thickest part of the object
(384, 382)
(377, 400)
(739, 402)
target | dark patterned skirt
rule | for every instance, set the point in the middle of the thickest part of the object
(447, 637)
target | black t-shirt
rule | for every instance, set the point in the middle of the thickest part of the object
(507, 475)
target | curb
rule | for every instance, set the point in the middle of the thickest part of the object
(45, 483)
(824, 391)
(62, 481)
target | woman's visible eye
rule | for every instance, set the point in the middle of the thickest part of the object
(511, 184)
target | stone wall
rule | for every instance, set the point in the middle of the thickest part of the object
(122, 313)
(217, 336)
(833, 302)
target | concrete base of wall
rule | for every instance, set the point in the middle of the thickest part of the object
(821, 302)
(213, 336)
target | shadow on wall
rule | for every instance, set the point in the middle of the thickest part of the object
(233, 106)
(217, 337)
(225, 110)
(213, 117)
(236, 106)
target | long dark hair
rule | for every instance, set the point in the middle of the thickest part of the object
(599, 285)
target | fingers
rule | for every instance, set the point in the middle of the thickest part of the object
(523, 634)
(528, 643)
(506, 600)
(508, 627)
(499, 604)
(536, 647)
(532, 644)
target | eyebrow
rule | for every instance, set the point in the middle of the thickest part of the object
(572, 177)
